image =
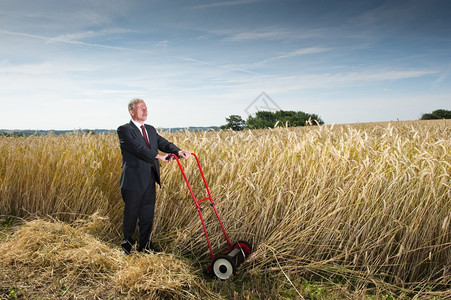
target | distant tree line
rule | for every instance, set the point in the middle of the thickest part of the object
(269, 119)
(437, 114)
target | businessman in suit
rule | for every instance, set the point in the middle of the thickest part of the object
(139, 145)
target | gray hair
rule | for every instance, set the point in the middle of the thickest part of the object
(133, 102)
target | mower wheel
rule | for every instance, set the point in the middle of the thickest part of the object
(245, 246)
(223, 267)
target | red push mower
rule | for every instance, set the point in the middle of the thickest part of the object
(222, 266)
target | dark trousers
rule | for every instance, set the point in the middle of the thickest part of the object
(139, 206)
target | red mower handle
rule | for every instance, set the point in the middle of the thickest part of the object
(204, 199)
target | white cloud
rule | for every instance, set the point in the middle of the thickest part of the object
(225, 3)
(304, 51)
(390, 75)
(277, 83)
(295, 53)
(274, 33)
(8, 69)
(22, 34)
(163, 44)
(442, 77)
(75, 39)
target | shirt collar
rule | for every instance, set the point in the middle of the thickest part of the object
(137, 124)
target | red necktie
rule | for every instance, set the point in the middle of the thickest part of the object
(145, 136)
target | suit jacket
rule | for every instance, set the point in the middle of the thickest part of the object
(138, 161)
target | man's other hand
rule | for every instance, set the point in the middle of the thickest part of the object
(184, 153)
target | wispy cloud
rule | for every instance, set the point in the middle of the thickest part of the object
(295, 53)
(75, 39)
(304, 51)
(162, 44)
(68, 38)
(23, 34)
(442, 77)
(390, 75)
(267, 33)
(225, 3)
(42, 69)
(292, 54)
(227, 68)
(337, 80)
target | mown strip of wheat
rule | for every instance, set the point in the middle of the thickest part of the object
(67, 261)
(367, 205)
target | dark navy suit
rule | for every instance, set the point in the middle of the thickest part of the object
(140, 171)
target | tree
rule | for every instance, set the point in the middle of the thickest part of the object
(262, 119)
(234, 122)
(265, 119)
(437, 114)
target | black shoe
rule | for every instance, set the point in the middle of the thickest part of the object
(127, 246)
(148, 248)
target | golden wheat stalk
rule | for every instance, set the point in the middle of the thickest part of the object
(367, 202)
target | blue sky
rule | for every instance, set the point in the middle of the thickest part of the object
(75, 64)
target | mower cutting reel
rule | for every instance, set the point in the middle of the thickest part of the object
(222, 266)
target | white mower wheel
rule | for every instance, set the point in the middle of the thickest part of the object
(223, 267)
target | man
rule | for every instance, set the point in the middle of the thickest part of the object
(139, 144)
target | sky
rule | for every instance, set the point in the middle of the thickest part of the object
(75, 64)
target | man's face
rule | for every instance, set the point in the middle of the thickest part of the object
(139, 113)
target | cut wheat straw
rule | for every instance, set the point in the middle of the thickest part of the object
(54, 258)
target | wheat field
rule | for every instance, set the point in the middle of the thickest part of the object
(365, 207)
